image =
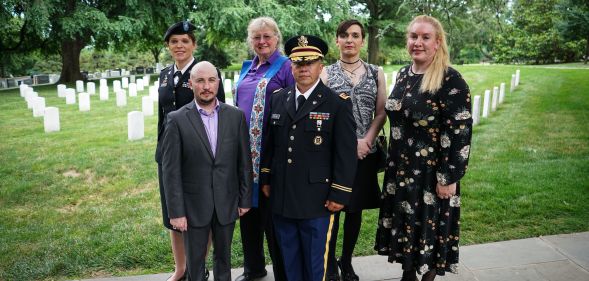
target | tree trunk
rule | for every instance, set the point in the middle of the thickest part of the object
(372, 44)
(156, 54)
(70, 60)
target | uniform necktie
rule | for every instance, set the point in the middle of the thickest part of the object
(177, 75)
(300, 101)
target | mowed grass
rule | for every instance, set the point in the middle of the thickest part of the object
(84, 201)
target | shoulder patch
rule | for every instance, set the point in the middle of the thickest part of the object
(344, 96)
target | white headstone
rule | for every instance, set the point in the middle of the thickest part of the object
(132, 89)
(494, 98)
(517, 78)
(156, 82)
(84, 101)
(501, 92)
(79, 86)
(103, 82)
(146, 79)
(91, 87)
(70, 96)
(512, 86)
(140, 85)
(104, 74)
(486, 103)
(103, 92)
(125, 82)
(153, 94)
(147, 106)
(235, 78)
(135, 125)
(227, 85)
(30, 96)
(61, 90)
(115, 73)
(121, 98)
(132, 79)
(476, 109)
(51, 119)
(116, 85)
(23, 87)
(39, 107)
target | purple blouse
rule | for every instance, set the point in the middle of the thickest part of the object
(247, 87)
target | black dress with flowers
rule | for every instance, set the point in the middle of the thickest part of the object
(429, 143)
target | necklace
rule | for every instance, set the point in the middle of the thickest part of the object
(352, 72)
(350, 62)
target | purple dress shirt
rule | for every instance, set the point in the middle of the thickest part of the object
(211, 122)
(247, 87)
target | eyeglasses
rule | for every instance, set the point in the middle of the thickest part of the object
(265, 37)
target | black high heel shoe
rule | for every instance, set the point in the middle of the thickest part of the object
(348, 273)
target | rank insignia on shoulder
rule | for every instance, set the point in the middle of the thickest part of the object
(275, 116)
(344, 96)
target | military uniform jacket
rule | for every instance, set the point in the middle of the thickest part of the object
(172, 97)
(310, 155)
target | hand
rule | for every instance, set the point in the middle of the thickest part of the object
(180, 224)
(266, 190)
(242, 211)
(446, 191)
(332, 206)
(363, 148)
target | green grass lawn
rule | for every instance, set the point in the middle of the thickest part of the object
(84, 201)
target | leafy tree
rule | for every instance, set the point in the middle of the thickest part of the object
(68, 26)
(574, 21)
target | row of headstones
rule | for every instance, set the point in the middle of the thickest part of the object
(51, 114)
(490, 101)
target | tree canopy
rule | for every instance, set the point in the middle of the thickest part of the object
(521, 31)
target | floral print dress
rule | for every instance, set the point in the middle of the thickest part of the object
(429, 143)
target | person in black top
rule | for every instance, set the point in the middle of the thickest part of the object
(174, 92)
(430, 132)
(308, 160)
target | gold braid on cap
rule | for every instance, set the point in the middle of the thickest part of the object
(304, 52)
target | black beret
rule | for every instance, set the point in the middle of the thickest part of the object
(305, 48)
(183, 27)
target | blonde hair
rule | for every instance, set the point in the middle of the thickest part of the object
(434, 75)
(258, 24)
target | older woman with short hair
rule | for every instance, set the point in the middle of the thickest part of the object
(259, 78)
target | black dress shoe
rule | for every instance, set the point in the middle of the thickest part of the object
(251, 276)
(348, 273)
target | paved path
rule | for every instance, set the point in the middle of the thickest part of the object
(547, 258)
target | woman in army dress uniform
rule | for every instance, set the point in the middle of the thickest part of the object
(429, 112)
(175, 92)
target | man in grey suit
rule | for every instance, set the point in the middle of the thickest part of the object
(207, 172)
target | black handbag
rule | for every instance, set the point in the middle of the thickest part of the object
(381, 151)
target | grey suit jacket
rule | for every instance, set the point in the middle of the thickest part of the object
(197, 184)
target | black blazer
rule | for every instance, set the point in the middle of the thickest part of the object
(197, 184)
(172, 97)
(310, 155)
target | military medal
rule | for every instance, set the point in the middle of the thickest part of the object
(318, 140)
(319, 123)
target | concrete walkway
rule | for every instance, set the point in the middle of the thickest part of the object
(546, 258)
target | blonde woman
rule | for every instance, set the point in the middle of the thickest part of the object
(429, 113)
